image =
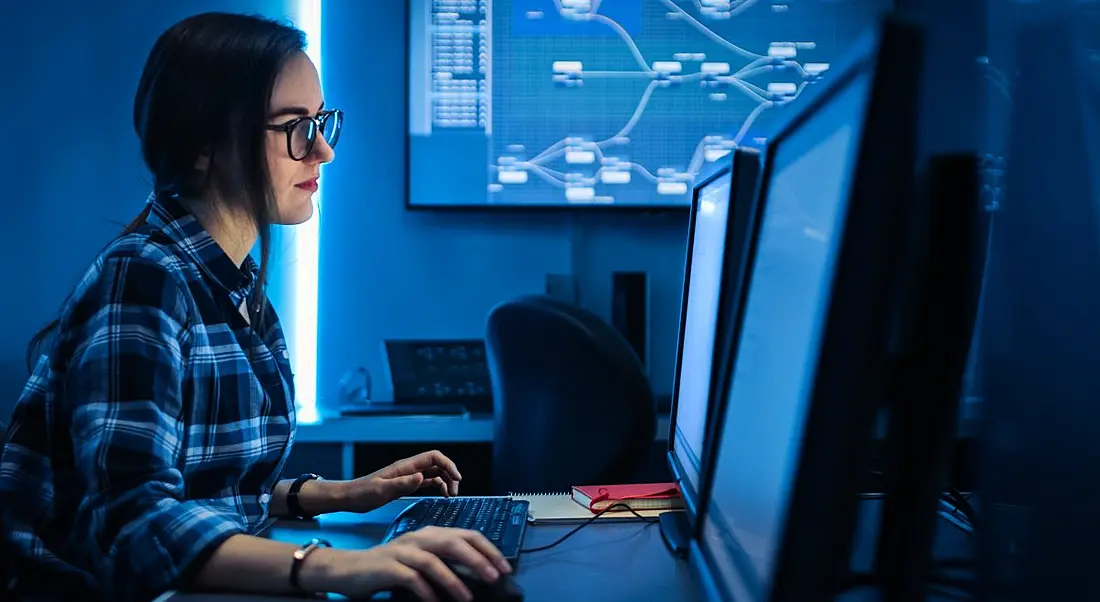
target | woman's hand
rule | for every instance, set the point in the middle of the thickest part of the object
(414, 562)
(404, 477)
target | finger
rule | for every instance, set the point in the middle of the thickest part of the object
(435, 471)
(455, 544)
(437, 475)
(438, 459)
(411, 482)
(487, 549)
(429, 481)
(407, 466)
(436, 483)
(431, 567)
(408, 578)
(441, 472)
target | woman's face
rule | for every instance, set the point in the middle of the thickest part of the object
(297, 93)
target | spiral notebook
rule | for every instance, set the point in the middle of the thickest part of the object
(561, 508)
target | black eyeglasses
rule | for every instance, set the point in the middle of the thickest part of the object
(301, 132)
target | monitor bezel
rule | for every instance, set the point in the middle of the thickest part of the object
(737, 257)
(816, 540)
(739, 166)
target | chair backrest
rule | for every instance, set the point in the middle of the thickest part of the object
(571, 400)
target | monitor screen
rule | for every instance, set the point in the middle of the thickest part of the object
(775, 364)
(699, 325)
(543, 103)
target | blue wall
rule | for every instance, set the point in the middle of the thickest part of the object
(73, 175)
(70, 162)
(390, 273)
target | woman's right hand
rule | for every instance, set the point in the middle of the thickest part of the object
(411, 562)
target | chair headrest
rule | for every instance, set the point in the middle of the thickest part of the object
(567, 319)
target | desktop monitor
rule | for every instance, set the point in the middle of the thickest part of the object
(716, 235)
(798, 403)
(1037, 487)
(928, 384)
(619, 104)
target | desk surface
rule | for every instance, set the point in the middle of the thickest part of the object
(624, 562)
(609, 562)
(405, 429)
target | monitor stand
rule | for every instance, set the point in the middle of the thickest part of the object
(676, 531)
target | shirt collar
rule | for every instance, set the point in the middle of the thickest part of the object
(168, 216)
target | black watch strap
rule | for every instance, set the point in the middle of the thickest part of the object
(293, 503)
(300, 557)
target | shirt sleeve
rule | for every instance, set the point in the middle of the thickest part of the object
(126, 407)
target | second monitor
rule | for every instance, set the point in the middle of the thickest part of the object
(720, 220)
(798, 405)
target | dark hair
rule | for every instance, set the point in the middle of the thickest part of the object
(205, 91)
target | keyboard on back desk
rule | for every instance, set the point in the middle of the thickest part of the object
(502, 520)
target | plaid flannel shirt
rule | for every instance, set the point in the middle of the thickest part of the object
(147, 435)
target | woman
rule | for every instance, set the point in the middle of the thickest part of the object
(149, 442)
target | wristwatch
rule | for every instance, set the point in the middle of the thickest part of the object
(300, 557)
(292, 502)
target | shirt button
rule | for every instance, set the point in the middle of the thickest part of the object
(286, 354)
(265, 498)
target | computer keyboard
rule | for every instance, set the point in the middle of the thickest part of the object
(502, 520)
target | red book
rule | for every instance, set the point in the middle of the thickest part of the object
(643, 496)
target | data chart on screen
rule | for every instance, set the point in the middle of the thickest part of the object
(517, 103)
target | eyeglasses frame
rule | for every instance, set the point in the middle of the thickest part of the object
(319, 121)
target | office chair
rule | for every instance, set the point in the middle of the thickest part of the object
(572, 403)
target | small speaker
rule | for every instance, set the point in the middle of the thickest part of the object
(630, 310)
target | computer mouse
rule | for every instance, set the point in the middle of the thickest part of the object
(504, 589)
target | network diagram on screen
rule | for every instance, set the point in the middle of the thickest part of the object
(612, 102)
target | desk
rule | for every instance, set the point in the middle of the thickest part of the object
(609, 562)
(349, 430)
(621, 562)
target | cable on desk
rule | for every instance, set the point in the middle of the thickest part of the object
(587, 522)
(958, 512)
(962, 502)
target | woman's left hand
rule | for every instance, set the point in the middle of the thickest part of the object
(404, 477)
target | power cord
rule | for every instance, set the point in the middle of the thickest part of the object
(955, 508)
(961, 510)
(589, 521)
(962, 502)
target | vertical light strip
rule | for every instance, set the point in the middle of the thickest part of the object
(305, 261)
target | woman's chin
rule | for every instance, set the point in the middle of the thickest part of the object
(298, 215)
